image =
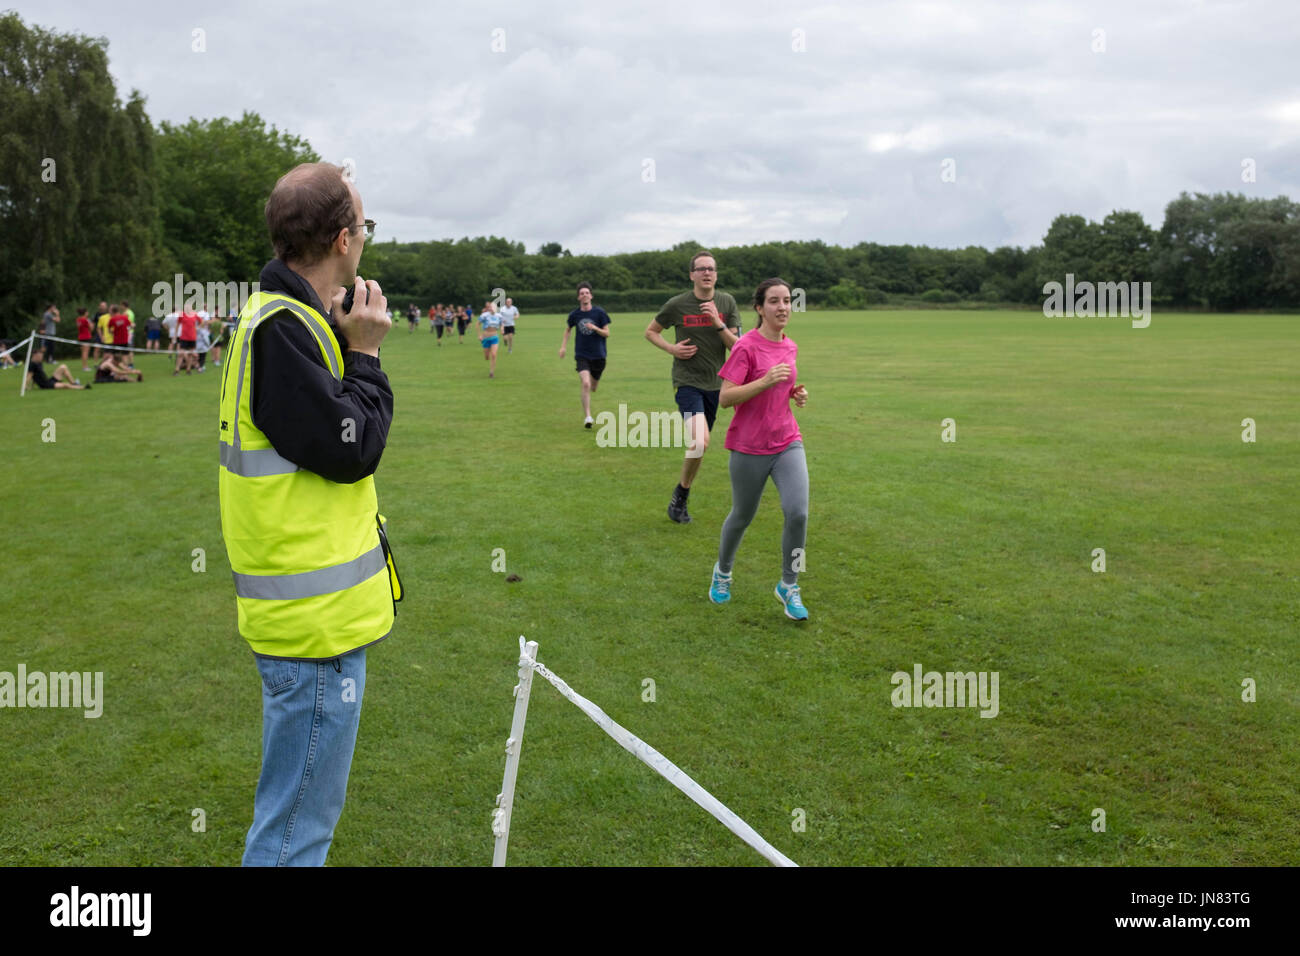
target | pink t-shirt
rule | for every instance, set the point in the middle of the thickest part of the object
(764, 425)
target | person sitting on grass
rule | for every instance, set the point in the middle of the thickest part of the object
(62, 377)
(115, 370)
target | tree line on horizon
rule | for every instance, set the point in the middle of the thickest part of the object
(98, 202)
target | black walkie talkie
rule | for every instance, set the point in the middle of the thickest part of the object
(346, 307)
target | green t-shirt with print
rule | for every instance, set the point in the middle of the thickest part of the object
(683, 313)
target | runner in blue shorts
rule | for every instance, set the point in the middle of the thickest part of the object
(489, 335)
(707, 323)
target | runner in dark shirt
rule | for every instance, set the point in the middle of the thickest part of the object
(592, 324)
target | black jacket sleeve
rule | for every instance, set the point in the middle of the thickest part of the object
(337, 429)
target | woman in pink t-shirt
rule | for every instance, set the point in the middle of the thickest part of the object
(759, 378)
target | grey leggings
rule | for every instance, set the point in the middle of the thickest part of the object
(789, 471)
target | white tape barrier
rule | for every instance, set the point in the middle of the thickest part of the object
(14, 348)
(138, 349)
(657, 761)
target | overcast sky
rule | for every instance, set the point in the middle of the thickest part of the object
(762, 121)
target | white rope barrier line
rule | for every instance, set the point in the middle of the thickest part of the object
(15, 347)
(528, 663)
(138, 349)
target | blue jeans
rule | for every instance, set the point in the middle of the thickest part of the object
(310, 714)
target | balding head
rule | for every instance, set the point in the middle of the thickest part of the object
(307, 208)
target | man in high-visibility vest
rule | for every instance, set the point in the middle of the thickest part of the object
(305, 412)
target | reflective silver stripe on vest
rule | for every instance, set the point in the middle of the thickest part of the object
(286, 587)
(255, 462)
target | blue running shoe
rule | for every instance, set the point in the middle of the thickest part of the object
(720, 589)
(788, 595)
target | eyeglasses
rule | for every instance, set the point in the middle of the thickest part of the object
(705, 269)
(369, 225)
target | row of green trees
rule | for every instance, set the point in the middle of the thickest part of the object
(97, 202)
(1223, 251)
(78, 181)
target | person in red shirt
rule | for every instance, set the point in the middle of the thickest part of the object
(120, 325)
(187, 356)
(84, 336)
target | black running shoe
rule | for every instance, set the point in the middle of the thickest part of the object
(677, 510)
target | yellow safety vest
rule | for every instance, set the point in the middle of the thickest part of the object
(314, 577)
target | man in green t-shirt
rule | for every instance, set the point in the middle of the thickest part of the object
(707, 323)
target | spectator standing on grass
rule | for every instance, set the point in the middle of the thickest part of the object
(97, 338)
(152, 333)
(203, 344)
(85, 333)
(120, 326)
(101, 326)
(759, 380)
(171, 322)
(707, 324)
(592, 325)
(130, 314)
(217, 329)
(49, 327)
(187, 325)
(314, 579)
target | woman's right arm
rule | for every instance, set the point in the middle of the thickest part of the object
(733, 394)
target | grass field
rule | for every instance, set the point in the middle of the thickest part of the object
(1119, 691)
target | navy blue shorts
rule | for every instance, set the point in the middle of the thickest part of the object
(692, 401)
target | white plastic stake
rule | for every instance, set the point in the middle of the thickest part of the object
(27, 363)
(506, 798)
